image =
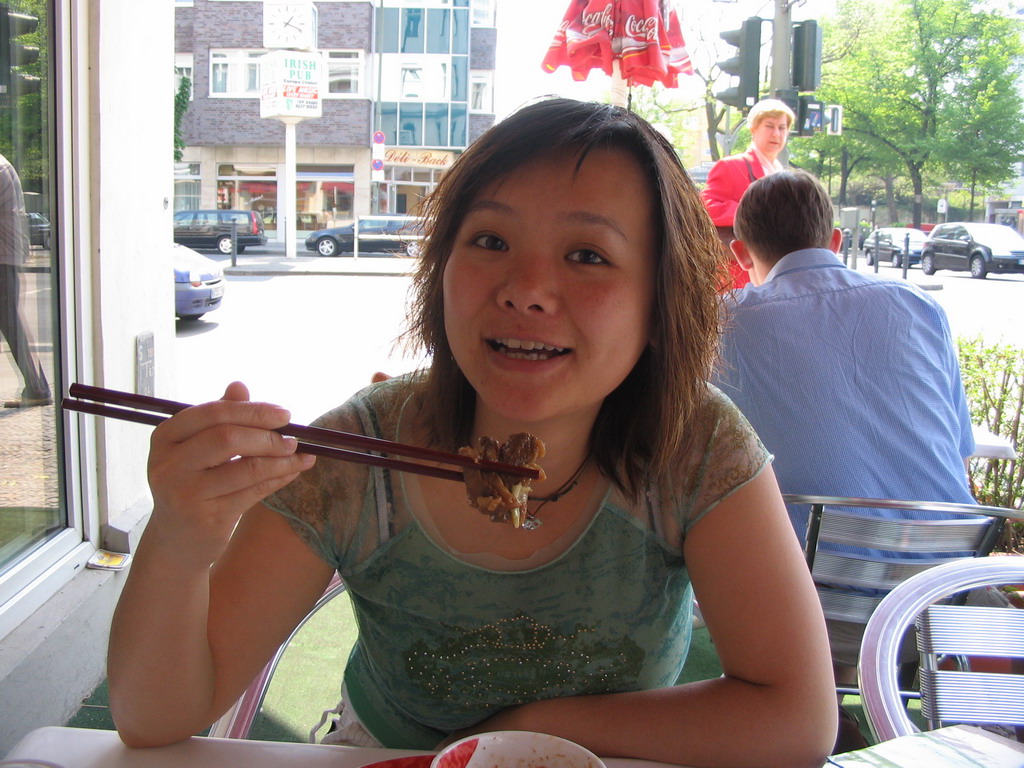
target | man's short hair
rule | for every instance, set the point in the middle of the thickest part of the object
(770, 108)
(784, 212)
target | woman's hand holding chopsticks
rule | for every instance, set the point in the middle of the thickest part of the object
(210, 463)
(209, 467)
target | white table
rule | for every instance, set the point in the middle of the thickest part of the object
(58, 747)
(990, 446)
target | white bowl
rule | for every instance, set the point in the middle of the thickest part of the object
(515, 749)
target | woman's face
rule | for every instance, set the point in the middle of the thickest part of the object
(770, 135)
(549, 288)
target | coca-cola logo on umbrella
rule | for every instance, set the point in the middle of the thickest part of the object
(639, 41)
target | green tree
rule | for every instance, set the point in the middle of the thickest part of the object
(24, 124)
(657, 106)
(921, 81)
(181, 100)
(993, 376)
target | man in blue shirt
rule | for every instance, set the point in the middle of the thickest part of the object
(851, 380)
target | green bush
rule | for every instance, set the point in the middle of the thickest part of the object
(993, 377)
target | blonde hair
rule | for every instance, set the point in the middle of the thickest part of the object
(770, 108)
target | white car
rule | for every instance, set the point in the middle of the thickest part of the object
(198, 284)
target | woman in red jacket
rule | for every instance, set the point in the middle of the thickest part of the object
(770, 121)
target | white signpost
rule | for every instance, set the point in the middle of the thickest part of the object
(291, 86)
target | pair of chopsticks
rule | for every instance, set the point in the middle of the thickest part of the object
(331, 443)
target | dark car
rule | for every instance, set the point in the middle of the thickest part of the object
(889, 242)
(980, 248)
(198, 284)
(377, 234)
(38, 229)
(212, 229)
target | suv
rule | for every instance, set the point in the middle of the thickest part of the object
(377, 234)
(212, 229)
(980, 248)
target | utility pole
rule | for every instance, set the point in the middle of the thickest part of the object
(782, 55)
(782, 46)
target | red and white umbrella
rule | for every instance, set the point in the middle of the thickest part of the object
(636, 42)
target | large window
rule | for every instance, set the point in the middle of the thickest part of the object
(187, 187)
(235, 73)
(249, 188)
(33, 509)
(481, 91)
(424, 73)
(324, 195)
(344, 73)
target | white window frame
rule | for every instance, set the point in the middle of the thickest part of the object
(183, 67)
(482, 79)
(434, 77)
(482, 13)
(36, 576)
(356, 62)
(243, 73)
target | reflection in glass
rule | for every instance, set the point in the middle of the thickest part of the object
(460, 32)
(31, 503)
(460, 78)
(390, 19)
(412, 30)
(410, 121)
(435, 128)
(459, 125)
(389, 121)
(438, 32)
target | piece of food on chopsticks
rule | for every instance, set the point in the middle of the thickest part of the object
(502, 496)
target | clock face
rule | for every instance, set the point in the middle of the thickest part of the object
(289, 25)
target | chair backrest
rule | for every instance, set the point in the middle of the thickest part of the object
(959, 632)
(858, 549)
(237, 721)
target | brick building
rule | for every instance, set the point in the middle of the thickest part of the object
(420, 71)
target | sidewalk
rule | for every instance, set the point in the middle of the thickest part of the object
(270, 260)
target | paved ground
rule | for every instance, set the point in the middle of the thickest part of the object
(28, 452)
(28, 455)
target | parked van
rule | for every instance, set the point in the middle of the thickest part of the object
(212, 229)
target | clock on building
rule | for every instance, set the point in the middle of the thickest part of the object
(289, 25)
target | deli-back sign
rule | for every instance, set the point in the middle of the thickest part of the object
(291, 83)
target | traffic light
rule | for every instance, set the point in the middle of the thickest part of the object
(811, 117)
(806, 55)
(14, 54)
(745, 65)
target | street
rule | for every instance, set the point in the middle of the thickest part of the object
(308, 342)
(304, 342)
(992, 308)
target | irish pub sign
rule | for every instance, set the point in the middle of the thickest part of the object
(291, 84)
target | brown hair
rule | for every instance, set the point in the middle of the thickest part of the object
(782, 213)
(642, 424)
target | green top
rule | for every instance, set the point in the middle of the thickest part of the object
(445, 639)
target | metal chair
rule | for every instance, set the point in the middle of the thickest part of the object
(958, 632)
(238, 720)
(852, 577)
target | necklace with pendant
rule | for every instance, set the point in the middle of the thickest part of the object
(531, 522)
